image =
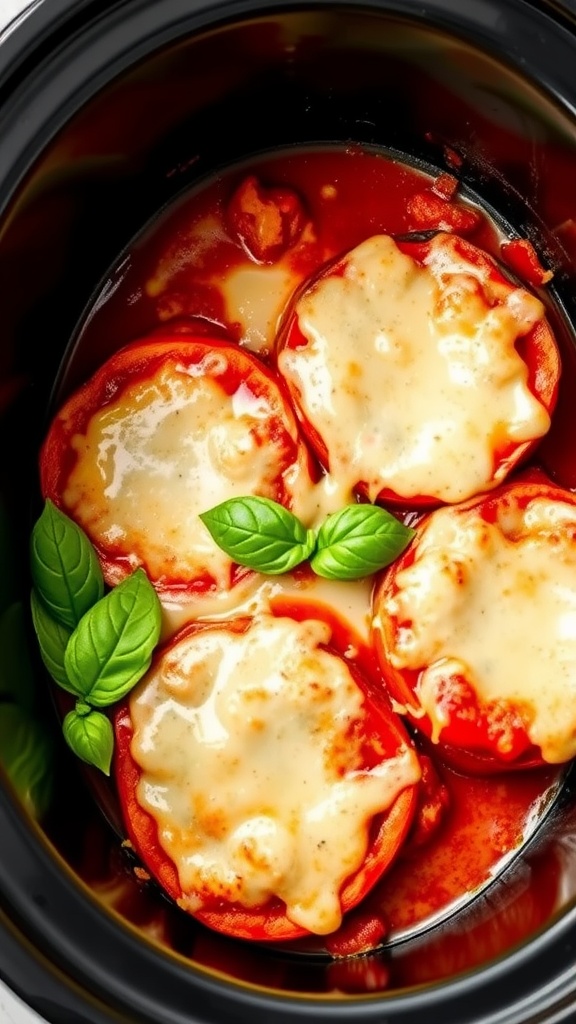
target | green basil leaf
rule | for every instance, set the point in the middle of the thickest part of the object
(260, 534)
(90, 736)
(26, 753)
(16, 672)
(53, 639)
(112, 645)
(65, 567)
(358, 541)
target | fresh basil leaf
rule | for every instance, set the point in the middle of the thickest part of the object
(65, 567)
(26, 753)
(112, 645)
(16, 673)
(358, 541)
(53, 639)
(90, 736)
(260, 534)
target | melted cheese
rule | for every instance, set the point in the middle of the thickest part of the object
(496, 603)
(350, 599)
(255, 297)
(410, 374)
(252, 768)
(170, 447)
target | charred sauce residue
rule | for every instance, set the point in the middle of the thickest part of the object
(200, 264)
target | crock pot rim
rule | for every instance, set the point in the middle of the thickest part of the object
(62, 23)
(109, 942)
(57, 16)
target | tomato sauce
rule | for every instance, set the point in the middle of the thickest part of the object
(349, 194)
(477, 838)
(171, 278)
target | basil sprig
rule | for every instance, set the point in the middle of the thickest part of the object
(357, 541)
(112, 645)
(354, 542)
(90, 735)
(65, 569)
(95, 645)
(53, 639)
(260, 534)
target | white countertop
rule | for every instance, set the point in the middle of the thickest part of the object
(14, 1011)
(9, 9)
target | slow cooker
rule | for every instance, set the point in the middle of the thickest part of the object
(108, 111)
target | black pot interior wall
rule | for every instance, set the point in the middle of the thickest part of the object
(292, 78)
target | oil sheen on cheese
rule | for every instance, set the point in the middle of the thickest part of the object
(410, 373)
(496, 603)
(251, 766)
(169, 447)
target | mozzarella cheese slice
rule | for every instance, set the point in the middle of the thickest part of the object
(255, 297)
(495, 603)
(171, 446)
(410, 373)
(250, 750)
